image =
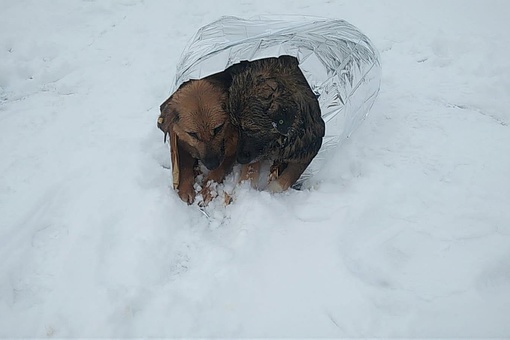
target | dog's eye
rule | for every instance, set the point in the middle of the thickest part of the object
(194, 135)
(217, 129)
(282, 126)
(278, 123)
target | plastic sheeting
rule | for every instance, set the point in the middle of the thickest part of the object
(339, 62)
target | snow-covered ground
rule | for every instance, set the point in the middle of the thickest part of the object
(406, 233)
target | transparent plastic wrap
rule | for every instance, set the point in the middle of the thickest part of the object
(339, 62)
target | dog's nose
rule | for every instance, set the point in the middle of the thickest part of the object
(244, 157)
(211, 163)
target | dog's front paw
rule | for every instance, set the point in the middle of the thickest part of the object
(250, 172)
(275, 187)
(187, 194)
(208, 191)
(207, 196)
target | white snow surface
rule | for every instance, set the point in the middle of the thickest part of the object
(405, 232)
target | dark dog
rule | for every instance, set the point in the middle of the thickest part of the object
(199, 128)
(278, 117)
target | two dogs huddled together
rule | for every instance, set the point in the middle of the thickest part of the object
(256, 111)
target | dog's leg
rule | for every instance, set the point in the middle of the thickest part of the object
(187, 163)
(250, 172)
(288, 177)
(276, 169)
(217, 175)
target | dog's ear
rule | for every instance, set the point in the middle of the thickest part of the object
(221, 79)
(283, 120)
(237, 68)
(165, 120)
(288, 60)
(167, 117)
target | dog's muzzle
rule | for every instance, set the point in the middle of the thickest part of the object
(244, 157)
(211, 163)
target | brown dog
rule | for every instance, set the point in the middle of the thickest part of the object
(199, 128)
(278, 117)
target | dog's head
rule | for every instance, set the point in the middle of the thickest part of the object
(196, 114)
(264, 112)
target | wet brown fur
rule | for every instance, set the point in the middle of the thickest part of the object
(278, 116)
(196, 115)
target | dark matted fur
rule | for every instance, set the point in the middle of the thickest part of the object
(277, 114)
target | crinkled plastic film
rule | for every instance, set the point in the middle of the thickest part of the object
(339, 62)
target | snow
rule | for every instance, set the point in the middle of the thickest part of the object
(405, 233)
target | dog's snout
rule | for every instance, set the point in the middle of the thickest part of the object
(211, 163)
(244, 157)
